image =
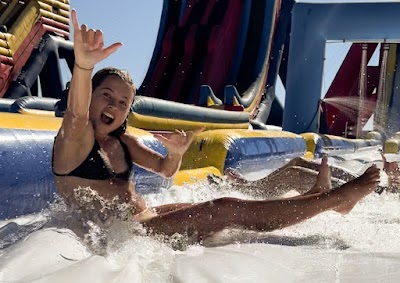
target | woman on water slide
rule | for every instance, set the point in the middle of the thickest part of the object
(93, 150)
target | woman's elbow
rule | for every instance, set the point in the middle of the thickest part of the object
(168, 173)
(166, 168)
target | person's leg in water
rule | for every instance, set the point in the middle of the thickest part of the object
(266, 215)
(321, 181)
(336, 172)
(287, 178)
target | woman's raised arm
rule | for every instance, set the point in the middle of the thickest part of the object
(89, 50)
(76, 135)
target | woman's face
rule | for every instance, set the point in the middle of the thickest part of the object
(110, 104)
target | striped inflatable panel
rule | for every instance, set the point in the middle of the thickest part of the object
(251, 152)
(318, 144)
(27, 182)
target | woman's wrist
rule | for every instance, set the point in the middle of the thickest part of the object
(83, 68)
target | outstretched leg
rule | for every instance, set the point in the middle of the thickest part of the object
(303, 180)
(300, 179)
(323, 182)
(297, 178)
(165, 208)
(336, 172)
(299, 174)
(212, 216)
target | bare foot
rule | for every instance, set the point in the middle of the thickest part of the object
(352, 192)
(323, 183)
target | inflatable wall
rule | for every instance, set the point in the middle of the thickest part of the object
(27, 139)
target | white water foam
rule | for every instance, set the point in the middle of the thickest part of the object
(362, 246)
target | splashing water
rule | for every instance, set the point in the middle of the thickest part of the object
(350, 106)
(331, 247)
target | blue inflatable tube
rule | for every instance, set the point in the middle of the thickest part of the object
(318, 144)
(27, 184)
(260, 156)
(25, 170)
(253, 153)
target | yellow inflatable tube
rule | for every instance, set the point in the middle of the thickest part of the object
(166, 124)
(392, 145)
(211, 148)
(194, 175)
(319, 144)
(39, 120)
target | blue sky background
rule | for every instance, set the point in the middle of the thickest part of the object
(135, 23)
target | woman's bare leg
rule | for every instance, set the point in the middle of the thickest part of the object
(212, 216)
(301, 162)
(303, 180)
(170, 207)
(336, 172)
(323, 182)
(299, 174)
(295, 178)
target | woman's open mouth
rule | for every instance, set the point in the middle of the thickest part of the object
(107, 118)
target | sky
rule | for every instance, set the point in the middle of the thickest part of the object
(135, 23)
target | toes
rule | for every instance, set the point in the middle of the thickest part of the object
(324, 160)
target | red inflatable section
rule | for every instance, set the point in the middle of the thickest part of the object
(345, 85)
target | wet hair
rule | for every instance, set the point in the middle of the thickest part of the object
(99, 78)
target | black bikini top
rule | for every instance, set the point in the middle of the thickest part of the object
(97, 167)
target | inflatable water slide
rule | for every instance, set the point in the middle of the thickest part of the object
(214, 55)
(35, 38)
(215, 64)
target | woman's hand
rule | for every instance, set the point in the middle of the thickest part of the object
(89, 45)
(178, 142)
